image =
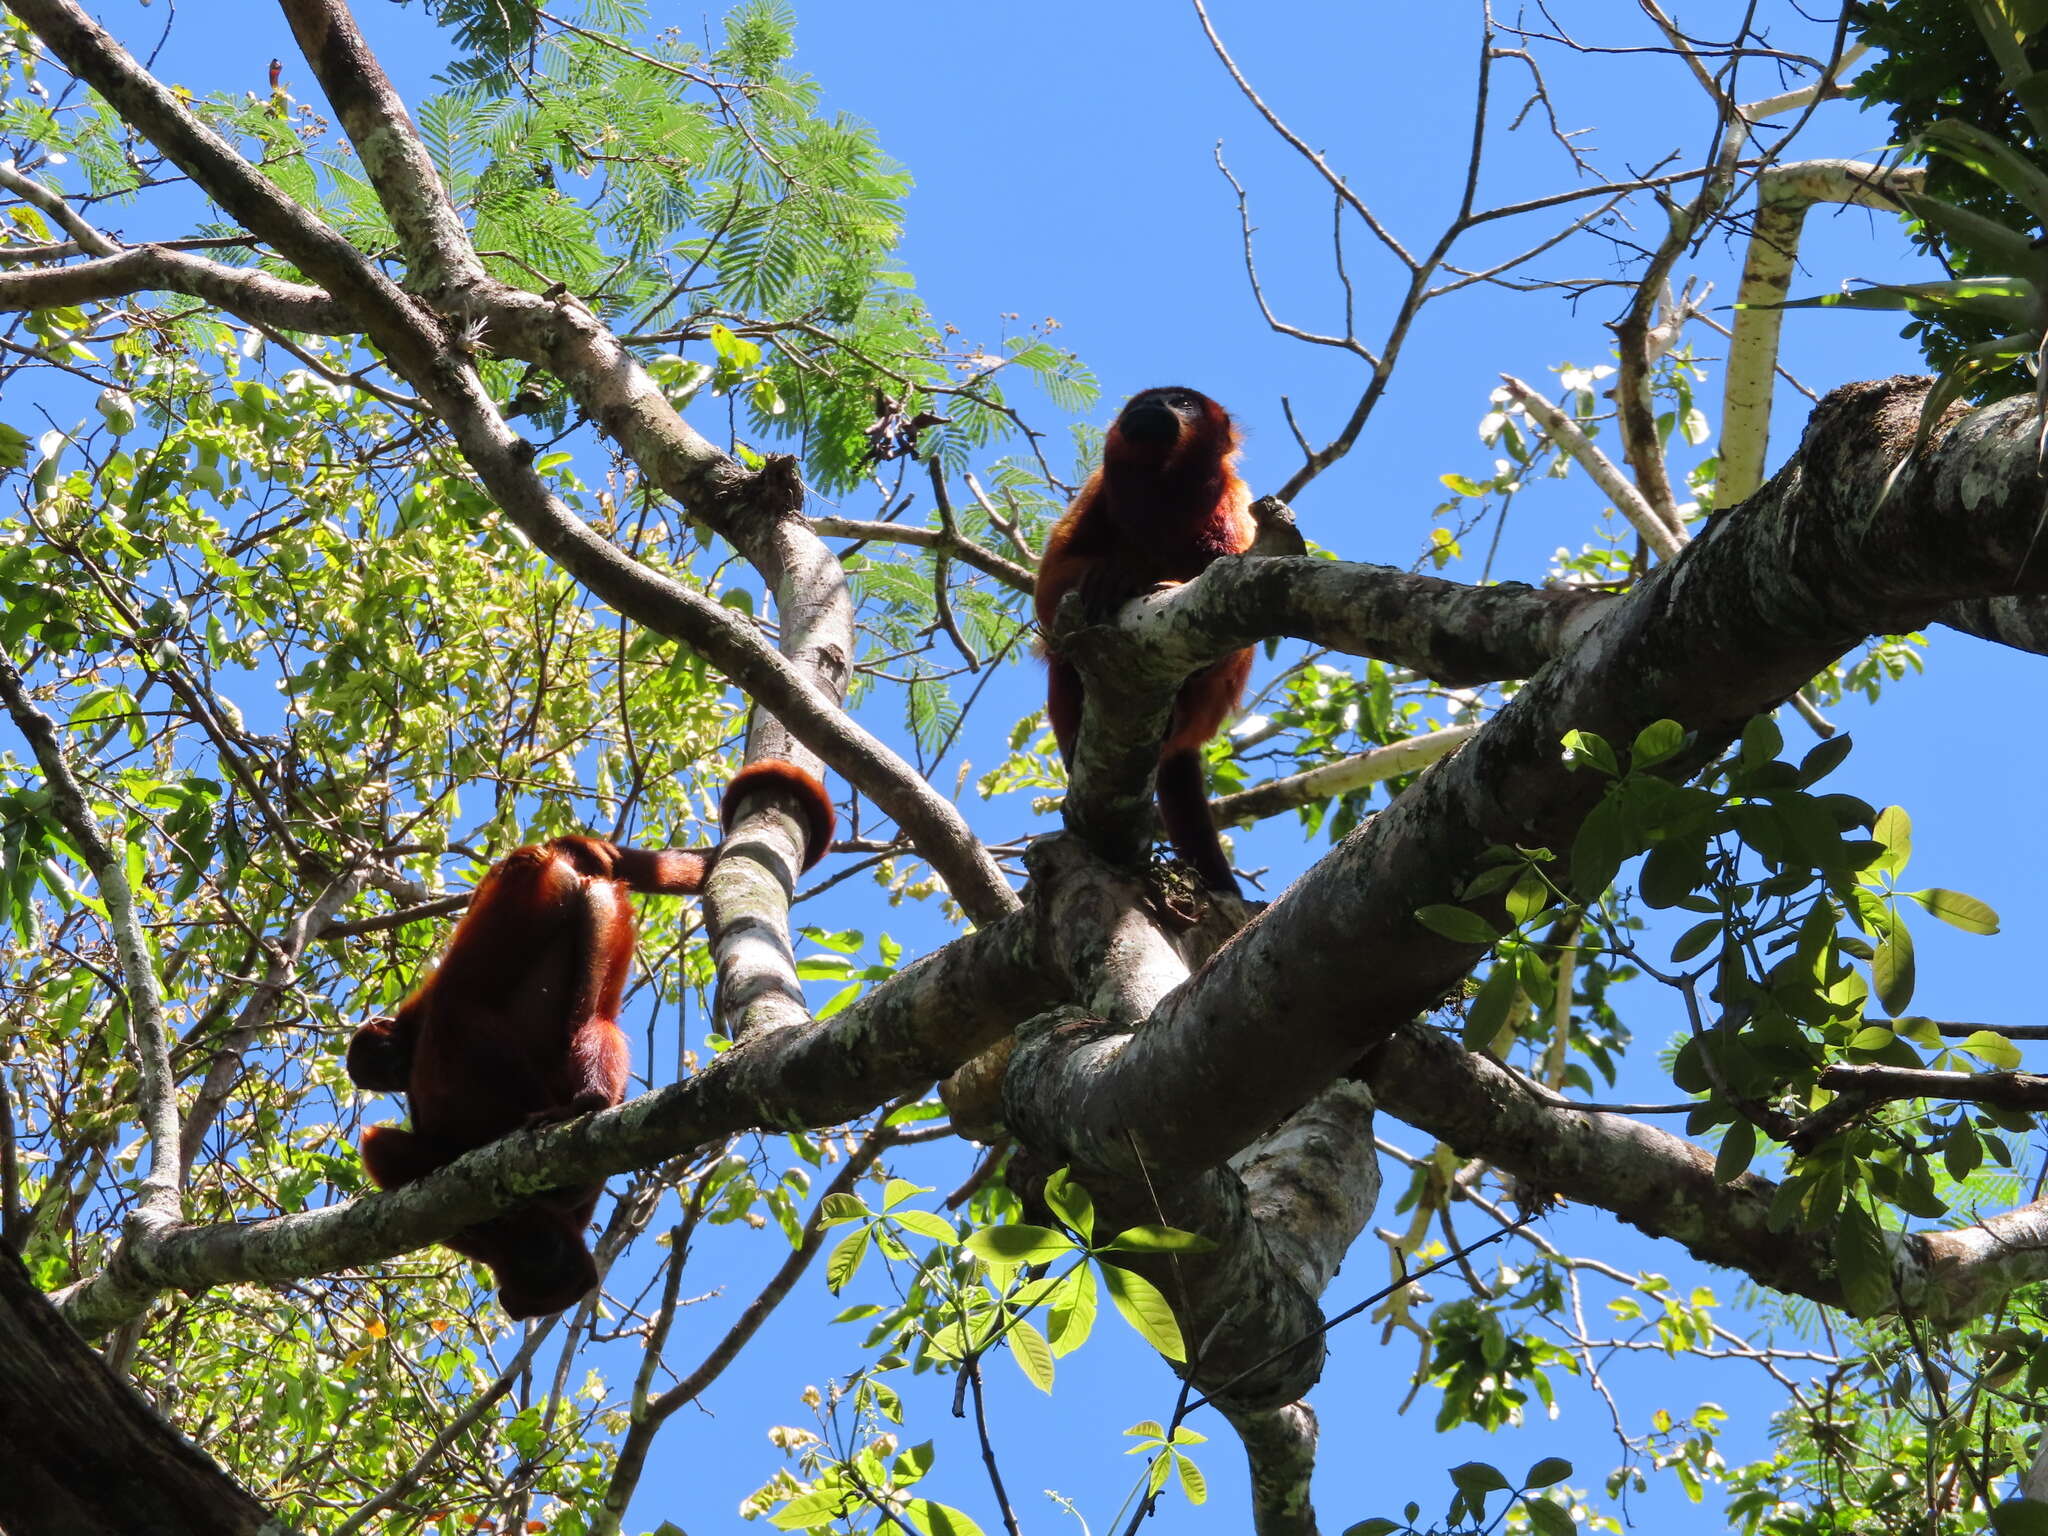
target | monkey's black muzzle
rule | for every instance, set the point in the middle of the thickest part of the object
(1150, 426)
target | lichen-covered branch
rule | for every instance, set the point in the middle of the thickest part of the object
(910, 1030)
(1784, 193)
(148, 1030)
(1666, 1186)
(1314, 785)
(1756, 605)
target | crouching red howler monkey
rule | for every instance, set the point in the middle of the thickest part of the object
(1165, 503)
(518, 1026)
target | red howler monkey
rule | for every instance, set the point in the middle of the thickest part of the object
(517, 1026)
(1165, 503)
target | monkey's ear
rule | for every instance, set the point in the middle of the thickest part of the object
(776, 775)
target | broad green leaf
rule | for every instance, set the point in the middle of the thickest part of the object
(1017, 1244)
(1489, 1010)
(1551, 1469)
(1957, 910)
(1475, 1478)
(1655, 742)
(1378, 1525)
(1071, 1203)
(926, 1224)
(1892, 973)
(845, 1258)
(937, 1519)
(837, 1208)
(1738, 1150)
(1590, 747)
(896, 1191)
(1070, 1312)
(1142, 1306)
(1863, 1261)
(1695, 940)
(1993, 1049)
(1192, 1483)
(1457, 924)
(1153, 1238)
(1550, 1518)
(1600, 848)
(1033, 1355)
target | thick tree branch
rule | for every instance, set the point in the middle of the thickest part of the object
(1757, 604)
(1361, 769)
(86, 1456)
(1443, 630)
(1666, 1186)
(910, 1030)
(1784, 193)
(145, 268)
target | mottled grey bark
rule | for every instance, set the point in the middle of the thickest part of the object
(1763, 599)
(1665, 1186)
(1443, 630)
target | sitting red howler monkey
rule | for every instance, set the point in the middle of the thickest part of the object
(1165, 503)
(517, 1026)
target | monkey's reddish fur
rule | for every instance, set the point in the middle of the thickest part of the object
(518, 1026)
(1157, 512)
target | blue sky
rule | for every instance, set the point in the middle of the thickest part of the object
(1063, 155)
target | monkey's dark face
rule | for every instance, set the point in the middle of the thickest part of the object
(1156, 418)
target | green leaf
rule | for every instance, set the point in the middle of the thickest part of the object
(845, 1258)
(1070, 1311)
(1999, 248)
(837, 1208)
(1017, 1244)
(1957, 910)
(1549, 1518)
(1600, 848)
(1033, 1355)
(1071, 1203)
(1655, 742)
(926, 1224)
(2009, 301)
(1192, 1483)
(1475, 1478)
(1892, 973)
(896, 1191)
(936, 1519)
(1991, 157)
(1991, 1048)
(1142, 1306)
(1738, 1150)
(1457, 924)
(1761, 741)
(1863, 1260)
(1589, 747)
(1551, 1469)
(1695, 939)
(1378, 1525)
(1489, 1010)
(1152, 1238)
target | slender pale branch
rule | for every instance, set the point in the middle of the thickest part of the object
(149, 1034)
